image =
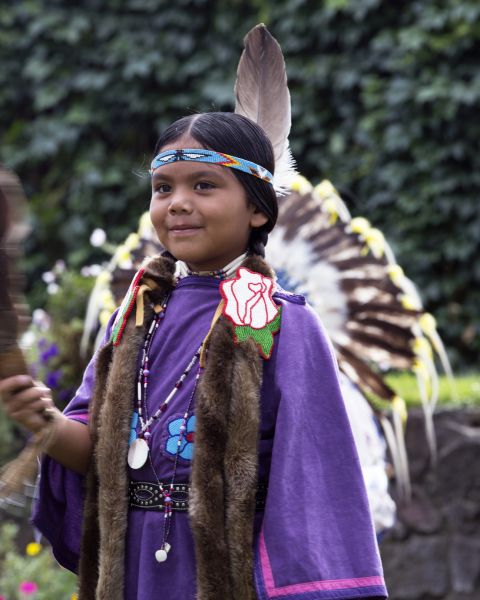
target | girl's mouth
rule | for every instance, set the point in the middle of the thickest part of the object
(181, 230)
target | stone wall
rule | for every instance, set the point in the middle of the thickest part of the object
(434, 549)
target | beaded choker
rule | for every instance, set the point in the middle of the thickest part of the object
(182, 270)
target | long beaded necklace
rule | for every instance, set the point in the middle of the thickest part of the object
(162, 553)
(139, 449)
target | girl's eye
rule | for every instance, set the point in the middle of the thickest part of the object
(162, 188)
(204, 185)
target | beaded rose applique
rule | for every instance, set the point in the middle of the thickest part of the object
(249, 305)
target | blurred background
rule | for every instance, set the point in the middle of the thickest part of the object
(385, 100)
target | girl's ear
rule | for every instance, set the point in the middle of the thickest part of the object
(257, 217)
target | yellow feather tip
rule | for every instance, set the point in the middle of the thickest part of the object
(359, 225)
(325, 189)
(104, 278)
(375, 241)
(301, 185)
(428, 323)
(132, 241)
(399, 406)
(396, 274)
(422, 348)
(145, 225)
(409, 303)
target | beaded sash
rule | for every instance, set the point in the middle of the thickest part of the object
(147, 495)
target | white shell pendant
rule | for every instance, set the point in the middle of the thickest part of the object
(162, 554)
(137, 453)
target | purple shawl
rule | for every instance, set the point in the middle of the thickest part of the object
(315, 539)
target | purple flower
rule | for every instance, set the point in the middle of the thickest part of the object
(49, 353)
(53, 379)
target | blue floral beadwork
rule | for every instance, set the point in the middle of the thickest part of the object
(133, 428)
(187, 445)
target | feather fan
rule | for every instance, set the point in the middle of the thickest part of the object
(371, 311)
(12, 306)
(17, 476)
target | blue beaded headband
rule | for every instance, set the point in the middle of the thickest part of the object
(210, 156)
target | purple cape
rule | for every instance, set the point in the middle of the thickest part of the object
(315, 539)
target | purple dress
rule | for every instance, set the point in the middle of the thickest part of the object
(314, 540)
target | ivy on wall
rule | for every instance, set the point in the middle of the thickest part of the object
(385, 102)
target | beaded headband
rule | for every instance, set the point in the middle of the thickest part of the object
(212, 157)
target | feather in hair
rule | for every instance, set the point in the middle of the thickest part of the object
(262, 95)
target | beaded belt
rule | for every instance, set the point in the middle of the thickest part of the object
(149, 496)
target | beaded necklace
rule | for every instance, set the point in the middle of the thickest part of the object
(162, 553)
(139, 449)
(183, 270)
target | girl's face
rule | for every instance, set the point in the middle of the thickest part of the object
(200, 211)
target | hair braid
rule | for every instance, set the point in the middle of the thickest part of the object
(257, 242)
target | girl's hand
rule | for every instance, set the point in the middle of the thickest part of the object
(24, 401)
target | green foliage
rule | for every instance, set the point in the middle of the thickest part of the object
(9, 442)
(55, 334)
(53, 582)
(384, 105)
(466, 389)
(53, 342)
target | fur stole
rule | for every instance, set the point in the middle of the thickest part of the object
(224, 470)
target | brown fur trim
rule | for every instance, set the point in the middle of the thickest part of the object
(101, 572)
(241, 467)
(114, 426)
(88, 567)
(224, 471)
(161, 270)
(207, 510)
(226, 463)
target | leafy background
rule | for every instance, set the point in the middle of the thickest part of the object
(385, 104)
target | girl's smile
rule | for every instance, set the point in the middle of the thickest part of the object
(201, 212)
(183, 229)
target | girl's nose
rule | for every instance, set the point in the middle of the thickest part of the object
(180, 202)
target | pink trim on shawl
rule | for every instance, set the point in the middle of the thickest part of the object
(82, 417)
(311, 586)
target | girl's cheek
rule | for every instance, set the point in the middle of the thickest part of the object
(157, 215)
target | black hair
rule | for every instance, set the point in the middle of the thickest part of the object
(236, 135)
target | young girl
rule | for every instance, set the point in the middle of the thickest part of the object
(207, 453)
